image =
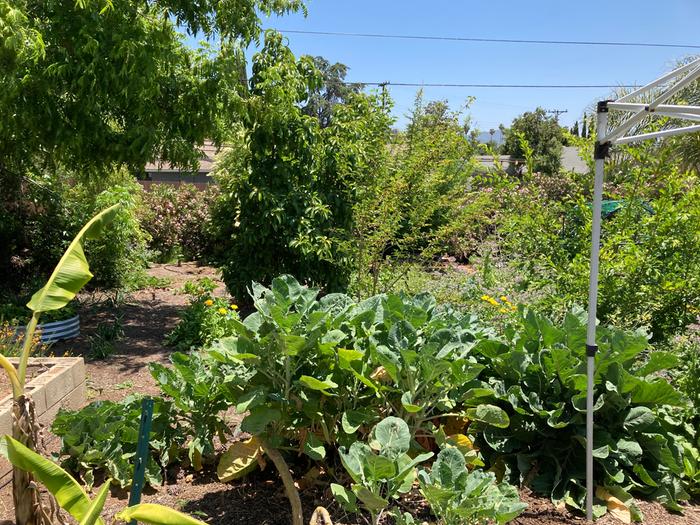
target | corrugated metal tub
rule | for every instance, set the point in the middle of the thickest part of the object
(56, 330)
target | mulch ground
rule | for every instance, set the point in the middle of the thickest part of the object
(258, 499)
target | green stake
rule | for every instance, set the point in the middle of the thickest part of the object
(142, 449)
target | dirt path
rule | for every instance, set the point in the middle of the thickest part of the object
(147, 316)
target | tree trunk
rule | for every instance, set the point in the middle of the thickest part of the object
(289, 487)
(24, 492)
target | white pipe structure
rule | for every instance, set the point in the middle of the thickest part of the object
(669, 85)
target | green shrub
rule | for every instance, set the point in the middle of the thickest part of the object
(34, 229)
(380, 471)
(458, 496)
(206, 319)
(350, 363)
(103, 437)
(200, 388)
(178, 220)
(118, 259)
(287, 185)
(537, 373)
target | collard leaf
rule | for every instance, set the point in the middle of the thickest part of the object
(352, 420)
(313, 447)
(317, 384)
(379, 467)
(72, 272)
(408, 404)
(639, 419)
(658, 361)
(449, 468)
(239, 459)
(373, 502)
(391, 437)
(258, 419)
(489, 414)
(346, 498)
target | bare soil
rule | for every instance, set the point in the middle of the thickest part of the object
(32, 372)
(258, 499)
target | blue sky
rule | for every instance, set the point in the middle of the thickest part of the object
(375, 60)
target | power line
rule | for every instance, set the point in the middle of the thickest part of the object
(496, 40)
(515, 86)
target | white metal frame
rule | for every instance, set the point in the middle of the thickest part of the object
(669, 84)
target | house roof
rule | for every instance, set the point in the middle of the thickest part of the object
(206, 162)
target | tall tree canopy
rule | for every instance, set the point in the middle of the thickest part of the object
(544, 135)
(333, 90)
(92, 82)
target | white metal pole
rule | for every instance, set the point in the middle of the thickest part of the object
(657, 134)
(662, 80)
(600, 154)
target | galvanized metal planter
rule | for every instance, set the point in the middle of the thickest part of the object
(56, 330)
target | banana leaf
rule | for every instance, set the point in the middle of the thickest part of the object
(154, 514)
(68, 493)
(72, 271)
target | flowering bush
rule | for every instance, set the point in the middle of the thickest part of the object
(11, 341)
(178, 220)
(206, 319)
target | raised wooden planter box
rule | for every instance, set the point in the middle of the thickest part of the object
(60, 385)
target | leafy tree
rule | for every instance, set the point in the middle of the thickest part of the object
(90, 84)
(289, 185)
(333, 90)
(544, 135)
(575, 130)
(584, 130)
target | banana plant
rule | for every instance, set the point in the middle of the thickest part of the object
(71, 497)
(71, 273)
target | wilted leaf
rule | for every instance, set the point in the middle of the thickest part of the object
(240, 458)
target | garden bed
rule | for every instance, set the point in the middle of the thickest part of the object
(55, 330)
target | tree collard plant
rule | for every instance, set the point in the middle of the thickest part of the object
(537, 373)
(458, 496)
(200, 388)
(70, 275)
(103, 436)
(323, 371)
(381, 470)
(72, 498)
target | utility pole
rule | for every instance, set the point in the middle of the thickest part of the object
(556, 112)
(383, 85)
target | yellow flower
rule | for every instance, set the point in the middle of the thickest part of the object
(223, 311)
(504, 299)
(234, 307)
(208, 302)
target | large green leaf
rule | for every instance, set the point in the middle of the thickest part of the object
(489, 414)
(67, 491)
(72, 271)
(391, 437)
(155, 514)
(93, 513)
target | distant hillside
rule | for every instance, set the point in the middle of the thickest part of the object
(485, 137)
